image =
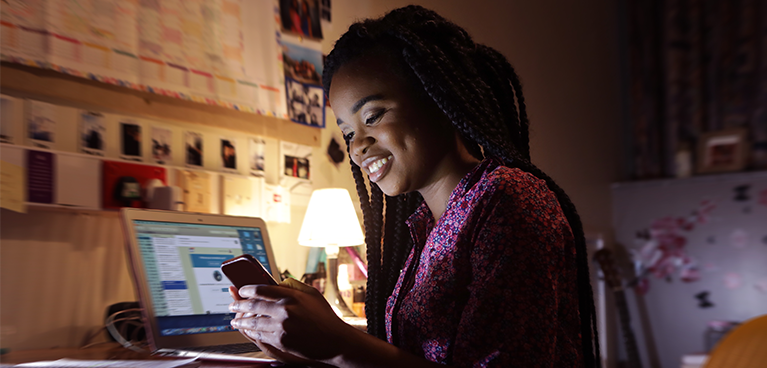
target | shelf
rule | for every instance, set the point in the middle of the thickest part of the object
(30, 82)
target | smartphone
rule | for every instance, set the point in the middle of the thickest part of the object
(246, 270)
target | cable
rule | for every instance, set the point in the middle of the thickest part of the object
(118, 335)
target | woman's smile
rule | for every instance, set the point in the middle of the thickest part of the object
(376, 167)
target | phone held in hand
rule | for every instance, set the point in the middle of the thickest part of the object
(246, 270)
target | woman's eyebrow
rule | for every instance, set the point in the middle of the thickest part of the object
(358, 105)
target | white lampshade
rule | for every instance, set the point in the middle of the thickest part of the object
(330, 220)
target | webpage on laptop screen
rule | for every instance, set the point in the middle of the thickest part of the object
(182, 263)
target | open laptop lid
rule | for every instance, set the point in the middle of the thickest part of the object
(175, 260)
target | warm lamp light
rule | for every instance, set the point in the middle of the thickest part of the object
(331, 222)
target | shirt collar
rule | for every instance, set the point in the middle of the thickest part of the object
(423, 216)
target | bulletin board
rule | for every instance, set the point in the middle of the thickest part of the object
(216, 52)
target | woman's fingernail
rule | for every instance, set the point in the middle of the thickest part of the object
(235, 323)
(232, 307)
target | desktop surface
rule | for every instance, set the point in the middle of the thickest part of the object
(106, 351)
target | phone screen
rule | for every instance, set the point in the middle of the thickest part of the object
(246, 270)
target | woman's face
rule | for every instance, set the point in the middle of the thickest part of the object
(400, 139)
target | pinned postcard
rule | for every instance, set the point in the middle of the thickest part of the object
(256, 165)
(161, 146)
(194, 149)
(92, 133)
(41, 124)
(302, 17)
(296, 161)
(7, 119)
(228, 154)
(130, 140)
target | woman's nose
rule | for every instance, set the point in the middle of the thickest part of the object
(361, 145)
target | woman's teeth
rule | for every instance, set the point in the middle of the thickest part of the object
(375, 166)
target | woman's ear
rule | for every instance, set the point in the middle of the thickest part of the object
(469, 146)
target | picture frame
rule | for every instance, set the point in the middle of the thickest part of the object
(722, 151)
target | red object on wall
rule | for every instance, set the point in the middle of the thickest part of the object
(114, 170)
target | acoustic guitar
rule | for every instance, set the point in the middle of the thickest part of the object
(605, 259)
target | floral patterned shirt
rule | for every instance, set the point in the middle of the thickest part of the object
(494, 280)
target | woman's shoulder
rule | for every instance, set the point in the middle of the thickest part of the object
(513, 181)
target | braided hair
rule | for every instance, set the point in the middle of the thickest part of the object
(479, 91)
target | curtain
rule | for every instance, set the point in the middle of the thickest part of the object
(695, 66)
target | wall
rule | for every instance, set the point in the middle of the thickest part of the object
(566, 56)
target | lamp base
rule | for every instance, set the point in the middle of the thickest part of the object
(331, 288)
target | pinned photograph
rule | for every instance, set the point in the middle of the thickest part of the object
(228, 154)
(295, 160)
(306, 104)
(194, 149)
(41, 124)
(7, 117)
(301, 18)
(302, 63)
(256, 165)
(130, 138)
(92, 133)
(325, 13)
(161, 145)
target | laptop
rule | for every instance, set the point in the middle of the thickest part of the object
(175, 259)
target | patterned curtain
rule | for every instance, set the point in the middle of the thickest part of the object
(695, 66)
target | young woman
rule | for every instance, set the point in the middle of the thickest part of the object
(475, 256)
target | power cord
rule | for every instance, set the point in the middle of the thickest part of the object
(133, 342)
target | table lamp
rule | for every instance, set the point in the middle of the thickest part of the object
(331, 222)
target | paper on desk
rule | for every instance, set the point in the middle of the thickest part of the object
(193, 362)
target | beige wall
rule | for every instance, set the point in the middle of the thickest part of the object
(566, 55)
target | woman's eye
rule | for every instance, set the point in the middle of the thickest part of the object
(373, 118)
(348, 136)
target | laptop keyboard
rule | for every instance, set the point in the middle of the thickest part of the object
(247, 347)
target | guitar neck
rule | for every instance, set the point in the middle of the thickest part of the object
(632, 352)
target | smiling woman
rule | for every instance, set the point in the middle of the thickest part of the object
(476, 258)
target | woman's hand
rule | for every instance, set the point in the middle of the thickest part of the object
(291, 322)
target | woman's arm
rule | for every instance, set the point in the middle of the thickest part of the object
(295, 324)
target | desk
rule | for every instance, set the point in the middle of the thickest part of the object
(106, 351)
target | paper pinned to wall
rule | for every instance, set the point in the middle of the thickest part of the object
(41, 124)
(237, 196)
(276, 204)
(12, 187)
(222, 52)
(8, 108)
(196, 187)
(228, 153)
(92, 137)
(256, 159)
(162, 145)
(295, 163)
(23, 28)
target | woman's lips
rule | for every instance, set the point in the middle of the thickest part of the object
(377, 167)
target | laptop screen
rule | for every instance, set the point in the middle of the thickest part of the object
(182, 263)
